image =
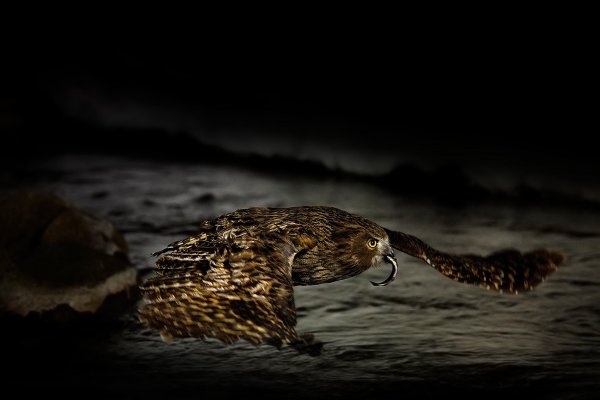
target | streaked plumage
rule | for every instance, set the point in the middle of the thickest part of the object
(234, 279)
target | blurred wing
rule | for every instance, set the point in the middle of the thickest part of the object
(505, 271)
(235, 289)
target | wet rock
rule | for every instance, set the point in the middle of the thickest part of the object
(55, 257)
(23, 218)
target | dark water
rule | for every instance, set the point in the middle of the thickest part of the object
(424, 335)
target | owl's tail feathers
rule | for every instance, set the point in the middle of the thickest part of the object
(506, 271)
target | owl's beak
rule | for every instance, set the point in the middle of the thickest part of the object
(390, 258)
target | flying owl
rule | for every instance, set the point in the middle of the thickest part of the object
(234, 279)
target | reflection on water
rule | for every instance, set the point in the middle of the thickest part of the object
(423, 334)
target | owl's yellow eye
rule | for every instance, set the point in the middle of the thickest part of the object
(372, 243)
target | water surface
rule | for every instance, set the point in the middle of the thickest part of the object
(424, 335)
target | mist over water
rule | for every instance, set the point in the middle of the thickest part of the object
(497, 157)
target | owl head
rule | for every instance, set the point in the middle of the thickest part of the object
(362, 246)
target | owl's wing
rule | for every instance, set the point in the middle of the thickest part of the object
(506, 271)
(239, 288)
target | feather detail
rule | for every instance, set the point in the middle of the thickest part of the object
(506, 271)
(242, 290)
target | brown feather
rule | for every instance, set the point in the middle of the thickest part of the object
(245, 293)
(234, 279)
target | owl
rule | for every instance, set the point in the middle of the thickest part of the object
(234, 279)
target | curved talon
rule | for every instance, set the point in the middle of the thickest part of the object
(392, 260)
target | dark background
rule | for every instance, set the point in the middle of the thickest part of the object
(490, 108)
(502, 104)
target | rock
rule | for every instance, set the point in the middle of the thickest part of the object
(55, 257)
(23, 218)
